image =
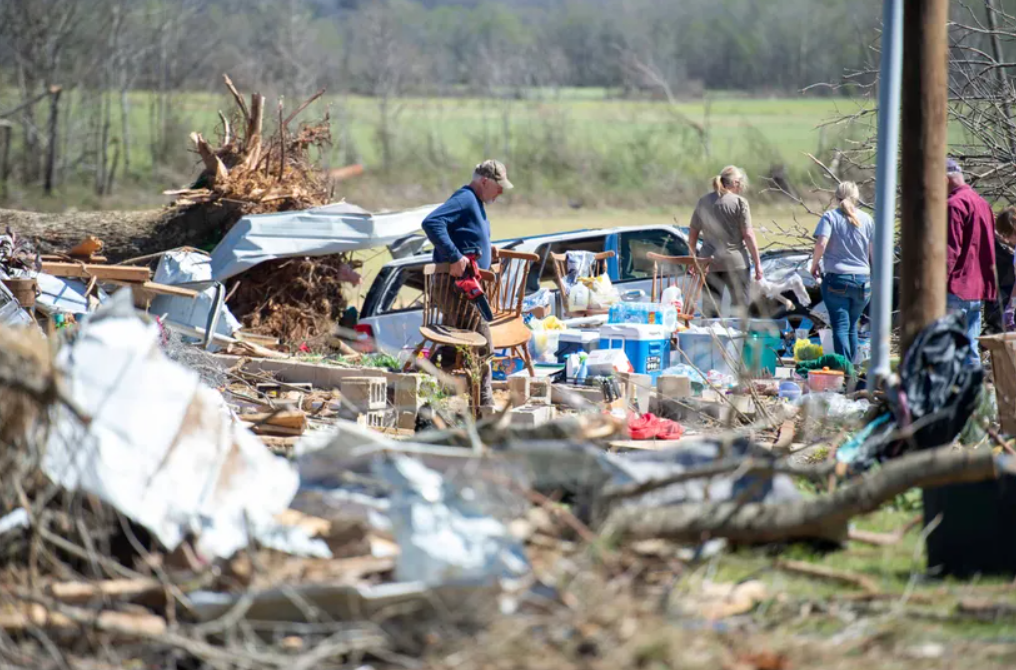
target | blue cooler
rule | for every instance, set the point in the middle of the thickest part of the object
(574, 341)
(646, 345)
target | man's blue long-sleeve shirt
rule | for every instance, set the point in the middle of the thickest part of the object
(459, 227)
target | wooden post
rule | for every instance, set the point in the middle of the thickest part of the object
(5, 157)
(922, 178)
(51, 144)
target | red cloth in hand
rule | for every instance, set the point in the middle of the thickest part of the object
(469, 282)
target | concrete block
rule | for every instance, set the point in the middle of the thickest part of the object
(531, 416)
(674, 386)
(564, 395)
(689, 411)
(519, 389)
(374, 419)
(365, 393)
(408, 392)
(639, 391)
(539, 392)
(406, 420)
(744, 404)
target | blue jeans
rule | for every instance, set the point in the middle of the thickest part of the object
(845, 297)
(972, 310)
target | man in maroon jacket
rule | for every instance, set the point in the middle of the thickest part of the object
(970, 253)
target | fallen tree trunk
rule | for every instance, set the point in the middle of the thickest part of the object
(824, 517)
(124, 234)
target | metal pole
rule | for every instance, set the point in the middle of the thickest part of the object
(885, 186)
(923, 181)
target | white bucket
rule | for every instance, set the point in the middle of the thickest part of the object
(826, 336)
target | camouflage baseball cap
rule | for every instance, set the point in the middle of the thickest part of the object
(494, 169)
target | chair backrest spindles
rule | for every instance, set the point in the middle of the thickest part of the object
(675, 271)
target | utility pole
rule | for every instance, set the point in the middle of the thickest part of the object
(923, 180)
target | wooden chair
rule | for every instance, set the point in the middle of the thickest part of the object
(452, 320)
(506, 291)
(598, 268)
(687, 273)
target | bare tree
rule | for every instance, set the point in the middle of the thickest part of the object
(386, 61)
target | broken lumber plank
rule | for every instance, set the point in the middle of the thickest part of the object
(278, 431)
(126, 589)
(292, 418)
(863, 582)
(102, 272)
(255, 338)
(160, 289)
(821, 517)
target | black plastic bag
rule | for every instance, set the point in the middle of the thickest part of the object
(938, 389)
(936, 395)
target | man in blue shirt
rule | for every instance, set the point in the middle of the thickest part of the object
(459, 230)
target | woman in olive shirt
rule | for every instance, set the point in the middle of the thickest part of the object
(723, 220)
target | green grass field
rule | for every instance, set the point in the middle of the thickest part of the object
(576, 147)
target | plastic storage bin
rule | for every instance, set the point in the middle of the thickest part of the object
(647, 346)
(709, 351)
(573, 341)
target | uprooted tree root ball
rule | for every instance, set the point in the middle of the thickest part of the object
(297, 300)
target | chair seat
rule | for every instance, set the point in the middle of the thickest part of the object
(509, 331)
(453, 336)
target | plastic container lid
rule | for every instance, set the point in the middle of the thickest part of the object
(826, 371)
(634, 331)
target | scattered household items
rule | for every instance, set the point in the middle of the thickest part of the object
(576, 274)
(684, 277)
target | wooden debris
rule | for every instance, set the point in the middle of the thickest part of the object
(715, 601)
(113, 589)
(35, 615)
(102, 272)
(294, 418)
(884, 539)
(786, 436)
(866, 584)
(155, 288)
(988, 610)
(279, 442)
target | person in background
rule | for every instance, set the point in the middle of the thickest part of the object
(970, 253)
(723, 220)
(998, 314)
(843, 240)
(460, 232)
